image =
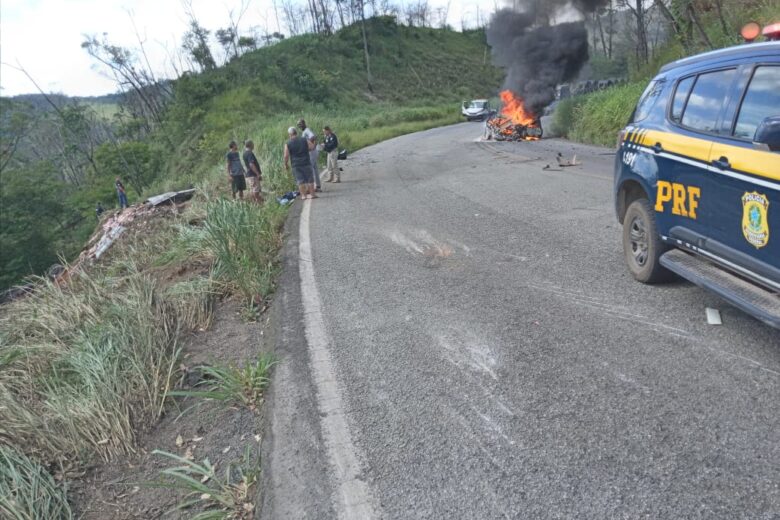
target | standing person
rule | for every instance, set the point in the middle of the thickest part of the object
(314, 153)
(331, 148)
(235, 171)
(253, 173)
(120, 191)
(296, 151)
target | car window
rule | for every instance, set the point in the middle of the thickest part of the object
(680, 97)
(709, 91)
(648, 99)
(762, 100)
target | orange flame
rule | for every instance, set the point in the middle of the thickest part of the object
(514, 109)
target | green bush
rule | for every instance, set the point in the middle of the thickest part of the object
(599, 116)
(563, 117)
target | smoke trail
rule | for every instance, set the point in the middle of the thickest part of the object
(538, 56)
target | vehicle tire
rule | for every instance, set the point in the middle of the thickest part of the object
(642, 246)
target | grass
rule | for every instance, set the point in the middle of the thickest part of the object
(220, 496)
(232, 384)
(27, 491)
(84, 366)
(596, 118)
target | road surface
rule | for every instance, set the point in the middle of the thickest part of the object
(461, 339)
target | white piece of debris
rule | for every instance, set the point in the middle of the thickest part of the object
(713, 317)
(107, 240)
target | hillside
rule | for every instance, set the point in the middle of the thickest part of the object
(156, 344)
(411, 67)
(419, 75)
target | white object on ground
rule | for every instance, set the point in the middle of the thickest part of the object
(713, 317)
(107, 240)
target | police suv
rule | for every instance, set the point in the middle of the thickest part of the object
(697, 177)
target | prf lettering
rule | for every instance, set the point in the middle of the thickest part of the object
(684, 199)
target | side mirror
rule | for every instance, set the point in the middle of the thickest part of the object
(768, 134)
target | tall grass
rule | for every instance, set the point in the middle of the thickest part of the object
(596, 118)
(244, 239)
(84, 366)
(27, 491)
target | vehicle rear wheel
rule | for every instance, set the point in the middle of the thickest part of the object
(642, 246)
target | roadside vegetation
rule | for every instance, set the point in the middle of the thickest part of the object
(596, 118)
(168, 135)
(89, 361)
(219, 495)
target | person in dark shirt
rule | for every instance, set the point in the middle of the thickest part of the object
(331, 147)
(99, 209)
(309, 135)
(235, 171)
(296, 151)
(253, 173)
(120, 191)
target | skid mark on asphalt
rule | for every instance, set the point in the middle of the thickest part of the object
(617, 312)
(420, 242)
(605, 308)
(353, 499)
(476, 356)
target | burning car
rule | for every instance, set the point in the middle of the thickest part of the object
(514, 122)
(476, 109)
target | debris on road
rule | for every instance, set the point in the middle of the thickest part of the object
(287, 198)
(713, 317)
(563, 163)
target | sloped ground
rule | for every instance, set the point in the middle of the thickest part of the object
(125, 488)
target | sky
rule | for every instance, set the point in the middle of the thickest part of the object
(45, 36)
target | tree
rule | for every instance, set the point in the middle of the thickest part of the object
(196, 43)
(134, 161)
(145, 97)
(228, 38)
(16, 122)
(31, 209)
(359, 7)
(639, 12)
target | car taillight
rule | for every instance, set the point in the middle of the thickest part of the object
(620, 137)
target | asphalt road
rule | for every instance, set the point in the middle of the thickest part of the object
(494, 358)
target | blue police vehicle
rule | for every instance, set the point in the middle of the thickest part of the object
(697, 177)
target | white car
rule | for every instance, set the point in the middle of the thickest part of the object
(476, 109)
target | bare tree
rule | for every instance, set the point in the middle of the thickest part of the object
(639, 12)
(359, 7)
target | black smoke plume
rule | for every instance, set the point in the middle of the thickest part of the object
(538, 56)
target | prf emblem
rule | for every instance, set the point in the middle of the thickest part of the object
(684, 199)
(755, 224)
